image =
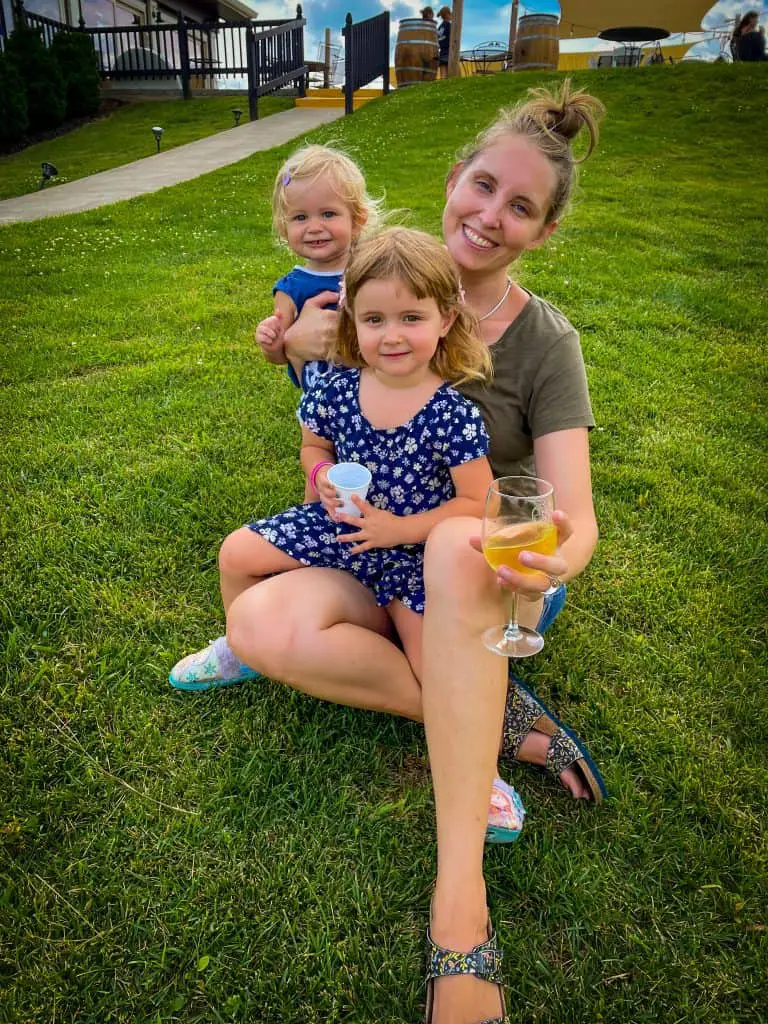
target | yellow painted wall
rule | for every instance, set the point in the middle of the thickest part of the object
(576, 61)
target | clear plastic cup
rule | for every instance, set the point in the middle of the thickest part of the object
(350, 478)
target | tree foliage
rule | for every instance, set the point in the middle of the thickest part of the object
(41, 75)
(80, 68)
(14, 118)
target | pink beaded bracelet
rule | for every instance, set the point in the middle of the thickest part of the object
(313, 475)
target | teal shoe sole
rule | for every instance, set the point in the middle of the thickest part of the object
(493, 834)
(210, 684)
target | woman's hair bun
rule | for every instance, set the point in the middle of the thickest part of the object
(566, 112)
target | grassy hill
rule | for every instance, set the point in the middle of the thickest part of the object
(122, 136)
(253, 855)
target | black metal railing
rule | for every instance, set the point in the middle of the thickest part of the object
(269, 54)
(141, 51)
(46, 26)
(366, 55)
(276, 59)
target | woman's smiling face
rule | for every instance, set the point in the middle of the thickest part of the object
(497, 205)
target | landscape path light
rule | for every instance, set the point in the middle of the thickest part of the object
(49, 171)
(237, 112)
(157, 131)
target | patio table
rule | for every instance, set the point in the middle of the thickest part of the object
(486, 59)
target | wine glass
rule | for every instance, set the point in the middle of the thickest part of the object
(518, 517)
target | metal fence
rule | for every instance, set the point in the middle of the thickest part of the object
(268, 54)
(366, 55)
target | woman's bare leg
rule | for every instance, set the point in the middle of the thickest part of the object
(357, 661)
(321, 632)
(463, 692)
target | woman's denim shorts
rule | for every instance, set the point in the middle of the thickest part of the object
(553, 605)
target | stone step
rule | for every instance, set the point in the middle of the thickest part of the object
(321, 102)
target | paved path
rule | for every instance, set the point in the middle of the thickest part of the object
(168, 167)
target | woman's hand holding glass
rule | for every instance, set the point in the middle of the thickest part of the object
(520, 539)
(551, 568)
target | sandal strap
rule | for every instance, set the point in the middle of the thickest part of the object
(521, 713)
(562, 752)
(483, 960)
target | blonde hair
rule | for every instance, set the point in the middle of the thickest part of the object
(550, 120)
(342, 174)
(424, 265)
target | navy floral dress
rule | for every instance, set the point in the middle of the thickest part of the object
(410, 468)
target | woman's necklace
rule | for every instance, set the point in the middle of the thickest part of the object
(499, 304)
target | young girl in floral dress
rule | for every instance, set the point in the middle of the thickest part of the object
(408, 338)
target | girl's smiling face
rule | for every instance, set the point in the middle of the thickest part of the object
(318, 224)
(398, 334)
(497, 205)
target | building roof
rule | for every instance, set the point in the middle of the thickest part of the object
(244, 10)
(580, 18)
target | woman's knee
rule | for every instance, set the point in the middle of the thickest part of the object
(452, 566)
(259, 633)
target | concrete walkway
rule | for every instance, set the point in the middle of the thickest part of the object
(166, 168)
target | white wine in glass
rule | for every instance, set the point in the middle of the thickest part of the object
(518, 517)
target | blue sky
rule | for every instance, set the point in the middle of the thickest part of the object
(483, 19)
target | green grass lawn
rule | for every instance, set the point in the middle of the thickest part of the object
(123, 136)
(254, 855)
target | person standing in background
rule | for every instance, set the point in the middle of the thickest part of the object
(443, 40)
(747, 41)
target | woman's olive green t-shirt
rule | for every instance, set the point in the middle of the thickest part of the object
(539, 386)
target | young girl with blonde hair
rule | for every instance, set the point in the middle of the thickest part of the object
(320, 205)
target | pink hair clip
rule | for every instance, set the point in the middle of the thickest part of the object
(462, 296)
(342, 294)
(286, 178)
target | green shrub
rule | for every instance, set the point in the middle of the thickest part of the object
(46, 102)
(80, 67)
(13, 104)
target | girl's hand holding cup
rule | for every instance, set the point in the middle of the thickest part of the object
(329, 499)
(375, 528)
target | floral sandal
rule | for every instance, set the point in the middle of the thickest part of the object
(484, 961)
(523, 712)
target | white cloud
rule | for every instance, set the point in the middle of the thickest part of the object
(727, 10)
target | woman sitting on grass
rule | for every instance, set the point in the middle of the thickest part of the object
(505, 196)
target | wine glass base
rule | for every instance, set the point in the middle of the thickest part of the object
(521, 645)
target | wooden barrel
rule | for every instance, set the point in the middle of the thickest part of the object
(537, 46)
(416, 52)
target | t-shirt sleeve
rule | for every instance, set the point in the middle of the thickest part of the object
(316, 409)
(288, 286)
(559, 395)
(466, 439)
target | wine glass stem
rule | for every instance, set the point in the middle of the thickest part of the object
(512, 631)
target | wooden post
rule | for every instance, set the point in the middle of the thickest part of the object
(327, 61)
(455, 48)
(512, 34)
